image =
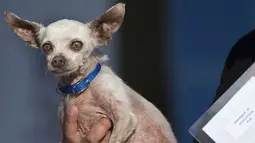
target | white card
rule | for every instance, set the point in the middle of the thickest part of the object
(241, 123)
(234, 123)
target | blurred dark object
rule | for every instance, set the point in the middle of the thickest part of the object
(142, 50)
(240, 58)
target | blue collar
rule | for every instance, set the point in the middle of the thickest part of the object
(81, 85)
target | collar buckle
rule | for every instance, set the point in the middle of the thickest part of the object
(76, 91)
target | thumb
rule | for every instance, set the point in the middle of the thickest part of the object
(70, 125)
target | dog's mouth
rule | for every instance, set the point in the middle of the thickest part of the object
(63, 72)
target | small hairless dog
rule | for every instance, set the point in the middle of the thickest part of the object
(69, 47)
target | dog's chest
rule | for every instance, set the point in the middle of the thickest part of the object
(89, 111)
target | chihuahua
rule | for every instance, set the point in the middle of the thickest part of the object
(70, 50)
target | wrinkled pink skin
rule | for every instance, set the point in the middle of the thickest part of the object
(98, 101)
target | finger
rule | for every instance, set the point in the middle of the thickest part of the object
(70, 125)
(99, 130)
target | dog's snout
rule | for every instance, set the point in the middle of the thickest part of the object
(58, 61)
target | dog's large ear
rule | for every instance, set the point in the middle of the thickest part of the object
(104, 26)
(26, 30)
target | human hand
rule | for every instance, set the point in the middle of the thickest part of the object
(99, 133)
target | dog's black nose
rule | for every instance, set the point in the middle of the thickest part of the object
(58, 61)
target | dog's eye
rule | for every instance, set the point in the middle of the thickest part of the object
(76, 45)
(47, 48)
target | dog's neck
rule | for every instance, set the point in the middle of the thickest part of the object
(82, 72)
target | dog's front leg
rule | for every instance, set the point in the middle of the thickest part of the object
(124, 126)
(120, 112)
